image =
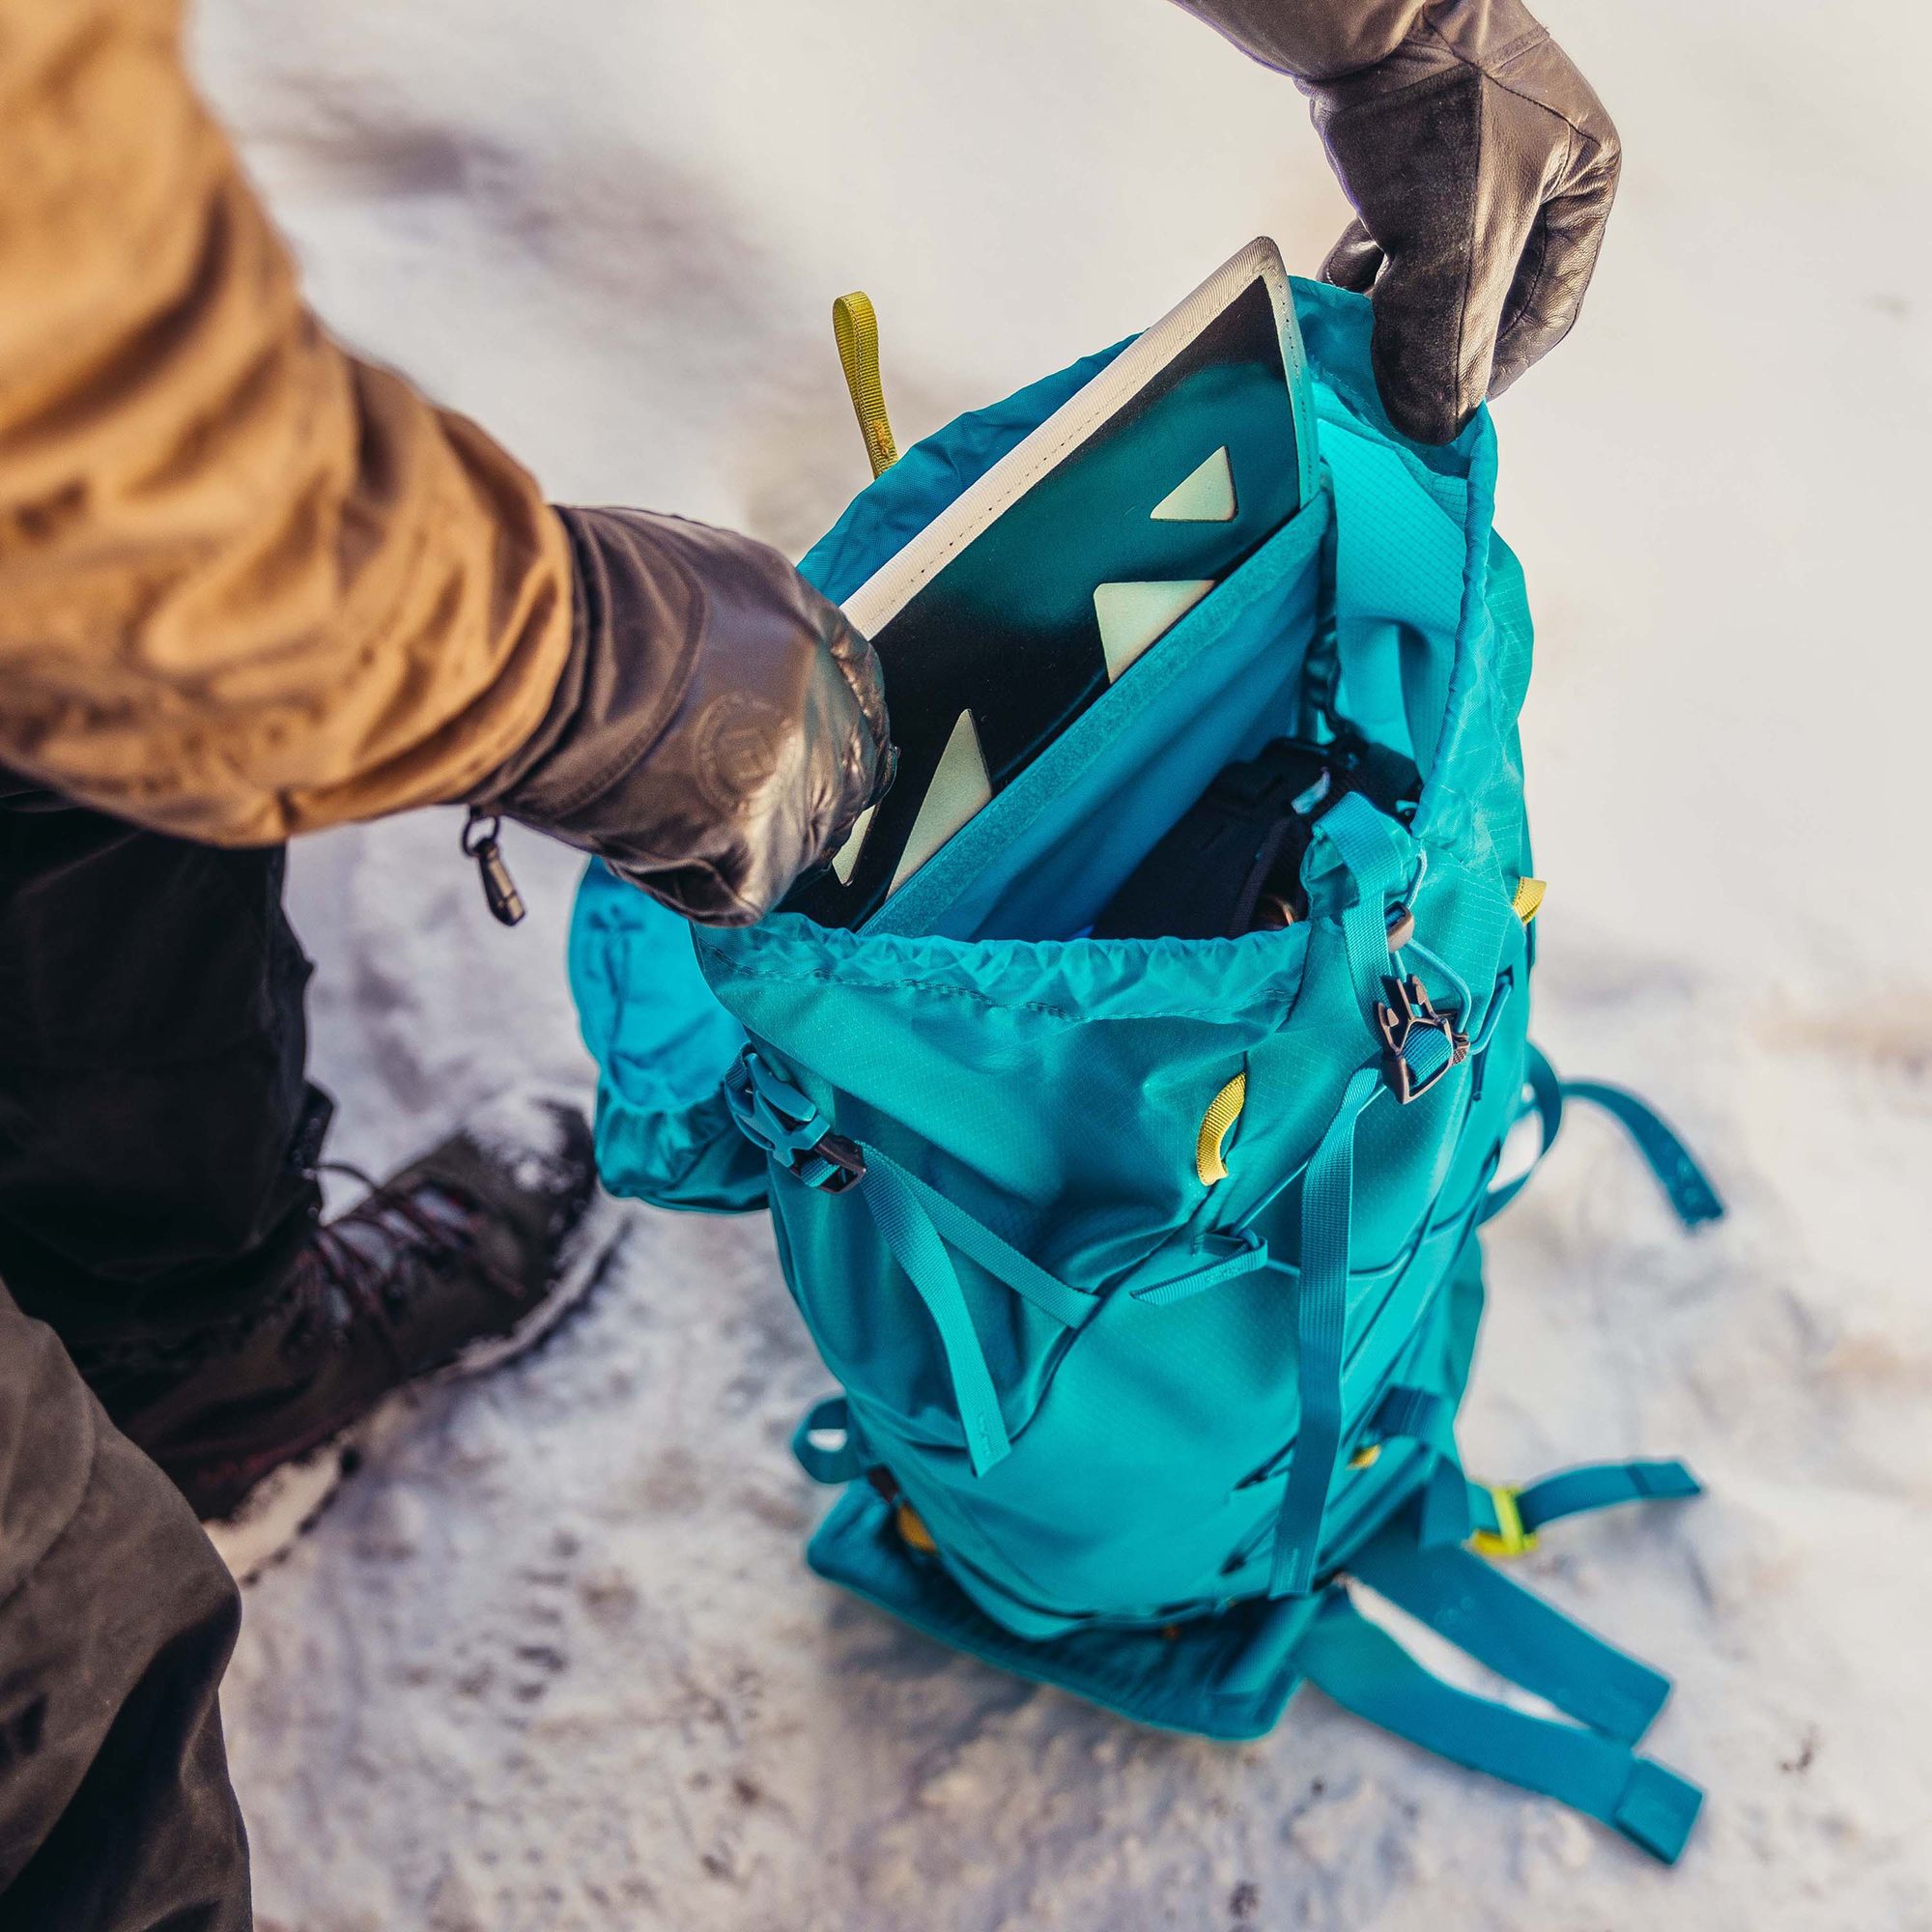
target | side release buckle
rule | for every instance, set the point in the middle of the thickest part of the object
(1419, 1044)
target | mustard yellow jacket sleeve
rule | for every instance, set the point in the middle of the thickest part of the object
(250, 585)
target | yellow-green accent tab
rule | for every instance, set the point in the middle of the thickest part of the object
(856, 330)
(1509, 1538)
(1529, 898)
(1223, 1111)
(914, 1530)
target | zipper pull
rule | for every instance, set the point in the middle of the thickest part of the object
(499, 890)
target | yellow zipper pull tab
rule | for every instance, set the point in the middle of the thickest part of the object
(856, 330)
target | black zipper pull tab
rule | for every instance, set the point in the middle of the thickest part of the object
(499, 890)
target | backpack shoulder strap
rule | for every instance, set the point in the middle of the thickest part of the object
(1366, 1671)
(1685, 1185)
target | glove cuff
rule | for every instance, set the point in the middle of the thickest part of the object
(717, 725)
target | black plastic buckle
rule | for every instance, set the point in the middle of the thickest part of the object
(1413, 1012)
(847, 1162)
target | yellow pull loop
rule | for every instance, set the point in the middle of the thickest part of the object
(1529, 898)
(914, 1530)
(856, 331)
(1223, 1111)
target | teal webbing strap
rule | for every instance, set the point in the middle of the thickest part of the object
(1448, 1513)
(915, 1222)
(1429, 1418)
(1594, 1486)
(1453, 1508)
(1479, 1046)
(1321, 1304)
(1236, 1254)
(909, 1232)
(1428, 1052)
(977, 1242)
(1366, 1671)
(1545, 1095)
(1517, 1635)
(1247, 1253)
(822, 1462)
(1499, 999)
(1458, 1000)
(1368, 847)
(1686, 1185)
(1365, 843)
(1418, 1414)
(919, 1224)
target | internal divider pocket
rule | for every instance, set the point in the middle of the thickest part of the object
(1047, 853)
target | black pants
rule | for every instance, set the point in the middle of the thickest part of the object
(156, 1125)
(116, 1621)
(156, 1133)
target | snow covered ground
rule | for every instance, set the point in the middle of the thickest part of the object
(554, 1666)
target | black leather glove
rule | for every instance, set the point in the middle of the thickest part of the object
(719, 725)
(1481, 168)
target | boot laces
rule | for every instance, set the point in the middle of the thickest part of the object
(359, 1270)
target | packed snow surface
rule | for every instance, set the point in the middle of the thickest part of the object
(554, 1665)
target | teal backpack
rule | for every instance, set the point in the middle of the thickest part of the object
(1149, 1268)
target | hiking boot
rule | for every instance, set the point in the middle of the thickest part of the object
(464, 1259)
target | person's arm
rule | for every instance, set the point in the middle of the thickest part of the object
(251, 585)
(1481, 166)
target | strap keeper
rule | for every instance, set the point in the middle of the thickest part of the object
(1656, 1810)
(1509, 1538)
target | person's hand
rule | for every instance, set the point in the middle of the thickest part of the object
(1482, 167)
(718, 726)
